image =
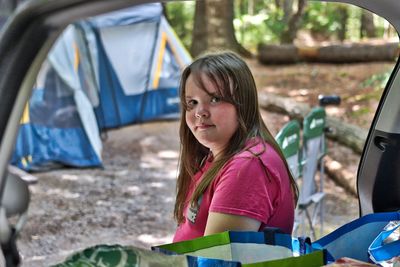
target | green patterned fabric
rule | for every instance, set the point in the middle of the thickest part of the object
(121, 256)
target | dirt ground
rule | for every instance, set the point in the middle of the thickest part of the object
(130, 200)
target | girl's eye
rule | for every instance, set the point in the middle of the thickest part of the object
(191, 103)
(216, 99)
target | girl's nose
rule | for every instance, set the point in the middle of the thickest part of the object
(201, 112)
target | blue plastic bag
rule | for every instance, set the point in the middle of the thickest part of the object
(353, 239)
(386, 245)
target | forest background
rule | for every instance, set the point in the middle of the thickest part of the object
(242, 25)
(130, 200)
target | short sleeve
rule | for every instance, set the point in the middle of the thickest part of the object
(244, 188)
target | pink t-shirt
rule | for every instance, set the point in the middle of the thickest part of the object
(257, 187)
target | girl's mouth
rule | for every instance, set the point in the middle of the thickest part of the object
(204, 126)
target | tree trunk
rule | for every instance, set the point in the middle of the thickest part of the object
(343, 18)
(220, 33)
(250, 7)
(278, 54)
(213, 28)
(294, 22)
(367, 28)
(349, 135)
(340, 176)
(341, 53)
(389, 31)
(287, 7)
(199, 34)
(358, 53)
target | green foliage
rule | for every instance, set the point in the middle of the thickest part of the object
(275, 24)
(381, 25)
(181, 16)
(324, 19)
(354, 24)
(252, 30)
(361, 112)
(377, 81)
(265, 26)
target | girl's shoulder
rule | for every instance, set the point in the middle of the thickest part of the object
(255, 147)
(258, 157)
(256, 151)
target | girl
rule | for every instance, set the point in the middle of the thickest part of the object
(232, 174)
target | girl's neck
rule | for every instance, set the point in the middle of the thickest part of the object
(210, 156)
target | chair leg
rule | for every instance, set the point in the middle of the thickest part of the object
(317, 217)
(322, 217)
(310, 223)
(300, 228)
(296, 224)
(322, 177)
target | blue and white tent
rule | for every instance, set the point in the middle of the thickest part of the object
(105, 72)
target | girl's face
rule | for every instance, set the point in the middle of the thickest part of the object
(211, 120)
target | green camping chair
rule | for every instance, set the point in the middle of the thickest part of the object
(288, 138)
(310, 204)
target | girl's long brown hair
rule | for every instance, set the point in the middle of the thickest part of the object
(236, 85)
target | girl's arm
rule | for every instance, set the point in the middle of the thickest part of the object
(220, 222)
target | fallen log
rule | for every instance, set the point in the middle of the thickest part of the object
(334, 53)
(278, 54)
(344, 133)
(340, 175)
